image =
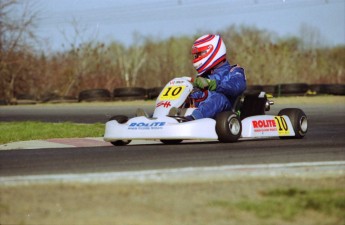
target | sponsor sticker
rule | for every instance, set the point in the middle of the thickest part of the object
(278, 124)
(264, 125)
(146, 126)
(165, 104)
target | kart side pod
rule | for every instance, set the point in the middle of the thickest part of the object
(289, 123)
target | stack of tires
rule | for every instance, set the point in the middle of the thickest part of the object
(294, 89)
(298, 89)
(55, 98)
(129, 93)
(331, 89)
(153, 93)
(25, 99)
(92, 95)
(118, 94)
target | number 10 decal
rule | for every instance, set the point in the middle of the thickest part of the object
(282, 126)
(171, 92)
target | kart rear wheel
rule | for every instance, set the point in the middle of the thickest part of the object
(171, 142)
(228, 127)
(298, 120)
(120, 119)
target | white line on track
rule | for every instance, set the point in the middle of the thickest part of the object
(190, 173)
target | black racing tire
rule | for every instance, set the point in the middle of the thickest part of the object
(228, 127)
(92, 95)
(120, 119)
(171, 142)
(298, 120)
(295, 89)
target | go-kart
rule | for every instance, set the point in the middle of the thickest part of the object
(168, 123)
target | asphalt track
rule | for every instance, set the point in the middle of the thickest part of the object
(324, 142)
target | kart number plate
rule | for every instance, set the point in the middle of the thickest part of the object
(282, 127)
(171, 92)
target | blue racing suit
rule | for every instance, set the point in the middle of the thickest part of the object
(231, 83)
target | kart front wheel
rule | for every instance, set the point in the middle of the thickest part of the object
(120, 142)
(120, 119)
(228, 127)
(298, 120)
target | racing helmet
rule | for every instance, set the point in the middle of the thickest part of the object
(208, 51)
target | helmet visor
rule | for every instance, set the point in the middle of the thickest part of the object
(201, 52)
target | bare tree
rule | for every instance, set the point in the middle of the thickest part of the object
(17, 21)
(129, 62)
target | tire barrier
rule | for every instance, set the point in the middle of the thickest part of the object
(269, 89)
(332, 89)
(295, 89)
(55, 98)
(24, 99)
(3, 102)
(63, 99)
(253, 89)
(138, 93)
(129, 93)
(299, 89)
(336, 89)
(92, 95)
(48, 97)
(153, 93)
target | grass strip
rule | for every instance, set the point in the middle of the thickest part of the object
(30, 130)
(259, 201)
(287, 203)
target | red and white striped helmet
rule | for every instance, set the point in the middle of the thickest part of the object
(208, 51)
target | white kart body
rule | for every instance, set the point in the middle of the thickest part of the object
(160, 128)
(164, 127)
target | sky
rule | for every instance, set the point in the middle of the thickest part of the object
(65, 22)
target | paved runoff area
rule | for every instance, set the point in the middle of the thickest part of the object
(312, 169)
(73, 142)
(64, 143)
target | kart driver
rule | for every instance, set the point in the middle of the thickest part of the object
(217, 84)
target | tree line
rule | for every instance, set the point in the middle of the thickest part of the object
(267, 59)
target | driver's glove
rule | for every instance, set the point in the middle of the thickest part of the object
(204, 83)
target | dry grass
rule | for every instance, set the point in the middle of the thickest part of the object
(150, 203)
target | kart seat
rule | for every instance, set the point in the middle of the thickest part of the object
(250, 104)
